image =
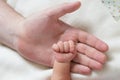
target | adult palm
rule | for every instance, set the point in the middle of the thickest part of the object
(40, 31)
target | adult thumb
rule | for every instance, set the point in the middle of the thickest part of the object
(63, 9)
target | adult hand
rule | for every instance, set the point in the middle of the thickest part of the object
(40, 31)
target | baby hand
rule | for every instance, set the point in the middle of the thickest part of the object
(64, 51)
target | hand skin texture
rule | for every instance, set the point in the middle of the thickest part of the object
(32, 37)
(66, 51)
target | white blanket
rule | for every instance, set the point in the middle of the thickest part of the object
(92, 17)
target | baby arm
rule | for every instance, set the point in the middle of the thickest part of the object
(64, 51)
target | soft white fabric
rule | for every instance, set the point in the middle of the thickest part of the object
(114, 7)
(92, 17)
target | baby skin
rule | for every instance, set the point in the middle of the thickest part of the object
(64, 53)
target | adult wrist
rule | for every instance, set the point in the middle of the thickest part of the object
(9, 24)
